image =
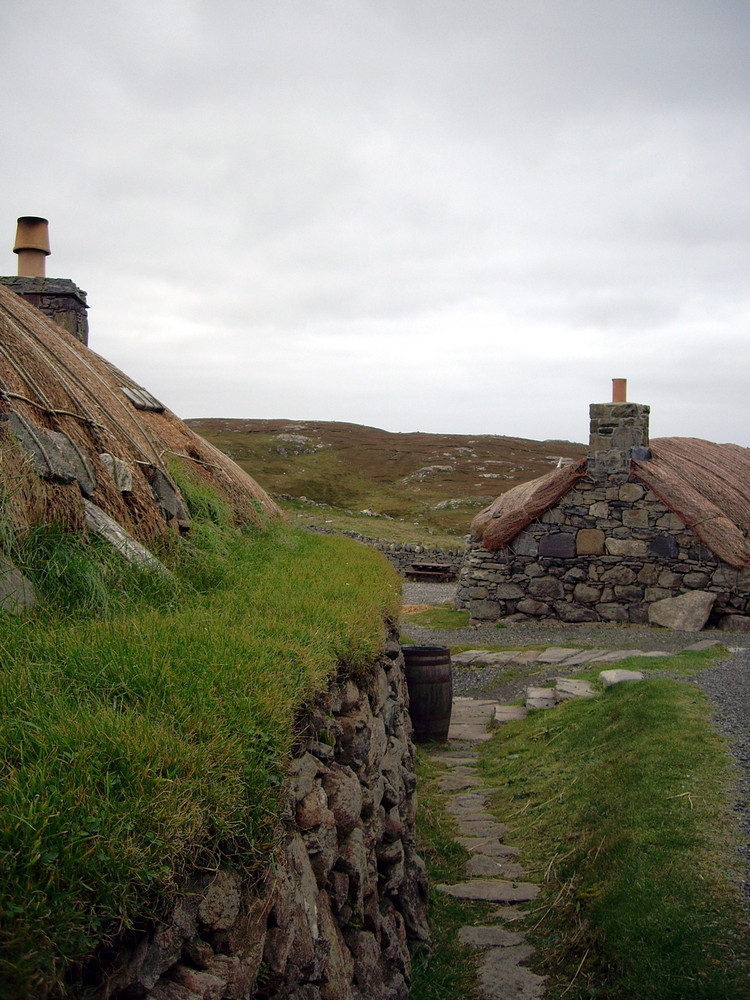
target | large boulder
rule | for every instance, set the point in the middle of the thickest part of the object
(686, 613)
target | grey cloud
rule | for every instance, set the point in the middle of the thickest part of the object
(298, 207)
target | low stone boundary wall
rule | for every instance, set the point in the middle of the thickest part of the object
(347, 892)
(402, 554)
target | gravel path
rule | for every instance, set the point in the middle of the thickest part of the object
(728, 686)
(428, 593)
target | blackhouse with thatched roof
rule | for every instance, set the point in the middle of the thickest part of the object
(636, 532)
(83, 445)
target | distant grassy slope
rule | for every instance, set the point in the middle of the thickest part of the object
(439, 481)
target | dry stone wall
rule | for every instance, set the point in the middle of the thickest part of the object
(347, 894)
(403, 554)
(607, 551)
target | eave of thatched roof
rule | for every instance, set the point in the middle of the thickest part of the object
(707, 485)
(497, 524)
(56, 384)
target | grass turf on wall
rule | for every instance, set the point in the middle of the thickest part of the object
(139, 745)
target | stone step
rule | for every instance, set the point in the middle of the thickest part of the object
(565, 689)
(490, 937)
(491, 890)
(540, 697)
(611, 677)
(482, 866)
(482, 828)
(483, 658)
(501, 975)
(569, 687)
(615, 655)
(469, 732)
(509, 713)
(455, 757)
(557, 654)
(468, 801)
(460, 779)
(471, 708)
(470, 719)
(491, 847)
(585, 656)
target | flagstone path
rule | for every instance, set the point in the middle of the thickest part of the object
(493, 872)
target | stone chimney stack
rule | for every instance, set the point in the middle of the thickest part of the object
(57, 298)
(618, 433)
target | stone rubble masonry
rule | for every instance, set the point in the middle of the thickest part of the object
(607, 551)
(347, 892)
(616, 429)
(58, 298)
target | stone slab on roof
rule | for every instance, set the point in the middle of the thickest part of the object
(65, 407)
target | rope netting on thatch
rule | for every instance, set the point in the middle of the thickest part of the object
(514, 510)
(708, 486)
(54, 382)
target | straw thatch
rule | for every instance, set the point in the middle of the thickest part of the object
(54, 383)
(514, 510)
(708, 486)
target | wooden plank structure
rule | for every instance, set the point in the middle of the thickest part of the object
(439, 572)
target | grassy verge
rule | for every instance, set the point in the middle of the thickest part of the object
(143, 741)
(620, 806)
(387, 529)
(440, 616)
(451, 971)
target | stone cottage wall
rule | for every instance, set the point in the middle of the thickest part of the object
(606, 551)
(347, 891)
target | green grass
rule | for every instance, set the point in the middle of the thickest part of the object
(685, 664)
(620, 807)
(76, 577)
(399, 530)
(142, 738)
(440, 616)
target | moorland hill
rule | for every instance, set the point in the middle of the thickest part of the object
(400, 486)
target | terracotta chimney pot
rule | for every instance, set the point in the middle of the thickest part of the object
(32, 246)
(619, 390)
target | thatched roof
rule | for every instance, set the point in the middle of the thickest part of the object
(60, 399)
(707, 485)
(514, 510)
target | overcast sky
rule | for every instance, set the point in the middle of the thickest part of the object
(439, 215)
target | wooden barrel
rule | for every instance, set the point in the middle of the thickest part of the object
(430, 683)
